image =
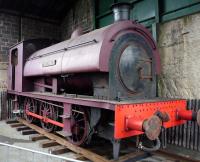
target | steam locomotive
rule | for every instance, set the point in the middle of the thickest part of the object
(99, 83)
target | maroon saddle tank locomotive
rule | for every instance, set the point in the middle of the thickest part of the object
(102, 82)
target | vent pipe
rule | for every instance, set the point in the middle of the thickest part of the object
(121, 11)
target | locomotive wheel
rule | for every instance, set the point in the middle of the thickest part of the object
(79, 127)
(31, 106)
(50, 112)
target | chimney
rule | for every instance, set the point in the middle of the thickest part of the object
(121, 11)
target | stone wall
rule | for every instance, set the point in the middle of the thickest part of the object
(80, 15)
(179, 45)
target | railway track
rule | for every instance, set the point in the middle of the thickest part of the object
(59, 145)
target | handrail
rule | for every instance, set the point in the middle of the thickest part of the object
(63, 49)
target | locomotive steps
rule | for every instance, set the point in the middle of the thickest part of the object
(60, 145)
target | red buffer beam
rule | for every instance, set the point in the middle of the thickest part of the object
(148, 118)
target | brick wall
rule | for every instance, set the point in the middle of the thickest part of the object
(9, 32)
(38, 29)
(80, 15)
(9, 26)
(179, 43)
(9, 35)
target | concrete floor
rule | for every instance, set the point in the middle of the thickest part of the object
(11, 136)
(184, 152)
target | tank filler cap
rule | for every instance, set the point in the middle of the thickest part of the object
(76, 33)
(121, 11)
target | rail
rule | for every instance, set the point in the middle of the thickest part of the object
(8, 157)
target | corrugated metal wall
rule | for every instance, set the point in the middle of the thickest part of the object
(155, 10)
(3, 105)
(188, 135)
